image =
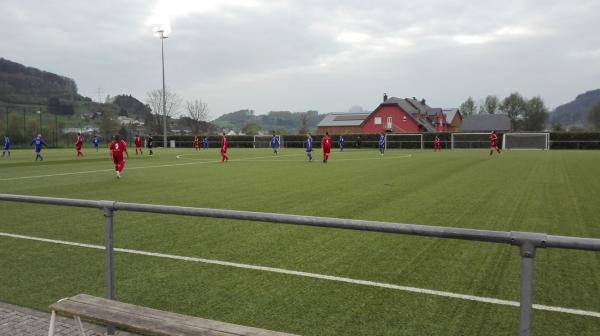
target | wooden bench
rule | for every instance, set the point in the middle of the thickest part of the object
(145, 321)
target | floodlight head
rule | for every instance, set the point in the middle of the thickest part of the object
(160, 32)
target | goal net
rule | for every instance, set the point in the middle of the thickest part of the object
(470, 140)
(404, 141)
(264, 141)
(526, 141)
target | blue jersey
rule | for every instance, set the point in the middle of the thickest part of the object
(309, 146)
(38, 143)
(205, 142)
(6, 143)
(274, 142)
(381, 141)
(341, 141)
(95, 141)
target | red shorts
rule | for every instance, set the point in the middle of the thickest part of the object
(117, 158)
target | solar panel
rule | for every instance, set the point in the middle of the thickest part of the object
(350, 117)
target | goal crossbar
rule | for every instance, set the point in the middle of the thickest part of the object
(526, 141)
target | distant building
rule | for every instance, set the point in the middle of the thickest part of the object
(486, 123)
(394, 115)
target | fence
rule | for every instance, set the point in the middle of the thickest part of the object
(528, 242)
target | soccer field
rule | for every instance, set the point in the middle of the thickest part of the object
(555, 192)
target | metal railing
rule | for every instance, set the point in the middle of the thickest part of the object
(528, 242)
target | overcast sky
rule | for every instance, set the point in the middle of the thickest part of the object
(312, 54)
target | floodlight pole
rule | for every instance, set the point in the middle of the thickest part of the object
(162, 36)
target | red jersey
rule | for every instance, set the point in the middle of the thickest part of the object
(436, 140)
(79, 141)
(326, 143)
(223, 143)
(493, 140)
(196, 142)
(138, 141)
(117, 148)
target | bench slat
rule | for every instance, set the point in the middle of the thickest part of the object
(150, 321)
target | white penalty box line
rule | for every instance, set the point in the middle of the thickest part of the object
(315, 276)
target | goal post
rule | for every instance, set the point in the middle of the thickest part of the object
(526, 141)
(404, 141)
(470, 140)
(264, 141)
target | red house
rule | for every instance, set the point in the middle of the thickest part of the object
(394, 115)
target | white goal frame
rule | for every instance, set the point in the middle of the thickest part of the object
(269, 137)
(420, 135)
(452, 141)
(546, 136)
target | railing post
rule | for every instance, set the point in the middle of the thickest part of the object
(108, 210)
(527, 251)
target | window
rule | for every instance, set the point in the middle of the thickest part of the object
(389, 122)
(377, 120)
(404, 118)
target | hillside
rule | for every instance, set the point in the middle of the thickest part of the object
(20, 84)
(575, 112)
(274, 120)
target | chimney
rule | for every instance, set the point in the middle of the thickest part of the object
(385, 97)
(423, 101)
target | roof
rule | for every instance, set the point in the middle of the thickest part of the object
(485, 123)
(450, 113)
(412, 107)
(343, 119)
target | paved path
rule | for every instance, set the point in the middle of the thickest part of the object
(19, 321)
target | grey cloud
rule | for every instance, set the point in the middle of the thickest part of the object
(291, 56)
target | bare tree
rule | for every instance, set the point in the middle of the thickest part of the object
(197, 111)
(154, 100)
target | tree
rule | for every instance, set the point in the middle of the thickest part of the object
(594, 116)
(251, 128)
(489, 105)
(154, 100)
(303, 124)
(108, 126)
(356, 109)
(535, 114)
(468, 107)
(197, 111)
(514, 106)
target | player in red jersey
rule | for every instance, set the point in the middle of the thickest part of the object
(138, 144)
(79, 144)
(494, 143)
(326, 146)
(437, 144)
(196, 143)
(117, 147)
(224, 156)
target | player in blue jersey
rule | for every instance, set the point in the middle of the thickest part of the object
(382, 143)
(38, 142)
(205, 143)
(6, 148)
(96, 142)
(275, 143)
(309, 146)
(341, 143)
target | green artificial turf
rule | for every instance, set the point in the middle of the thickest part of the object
(555, 192)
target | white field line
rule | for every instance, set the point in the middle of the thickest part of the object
(317, 276)
(197, 161)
